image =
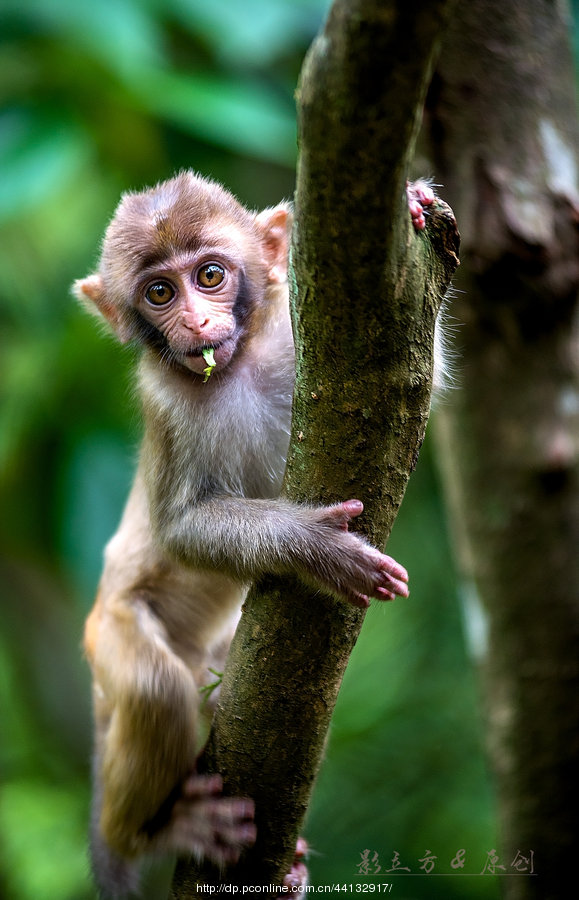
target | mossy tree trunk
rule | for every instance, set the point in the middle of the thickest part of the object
(502, 123)
(366, 290)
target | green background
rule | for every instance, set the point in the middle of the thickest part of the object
(99, 97)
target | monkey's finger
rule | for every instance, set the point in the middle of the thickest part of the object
(302, 848)
(215, 811)
(392, 579)
(393, 568)
(200, 786)
(237, 835)
(384, 594)
(214, 827)
(230, 811)
(352, 508)
(392, 585)
(343, 513)
(357, 599)
(221, 854)
(297, 877)
(422, 192)
(205, 842)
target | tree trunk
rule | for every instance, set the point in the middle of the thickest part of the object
(504, 136)
(365, 294)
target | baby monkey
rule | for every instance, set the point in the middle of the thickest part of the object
(201, 284)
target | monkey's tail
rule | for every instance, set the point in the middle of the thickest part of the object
(116, 878)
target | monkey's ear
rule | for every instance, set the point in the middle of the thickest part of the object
(275, 225)
(91, 293)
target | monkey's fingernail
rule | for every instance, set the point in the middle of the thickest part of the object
(397, 571)
(383, 594)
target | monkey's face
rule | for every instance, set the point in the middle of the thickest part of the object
(186, 269)
(191, 303)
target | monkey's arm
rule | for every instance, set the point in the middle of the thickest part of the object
(247, 538)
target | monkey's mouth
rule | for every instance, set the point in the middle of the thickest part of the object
(198, 351)
(223, 350)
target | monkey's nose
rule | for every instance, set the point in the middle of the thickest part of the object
(196, 324)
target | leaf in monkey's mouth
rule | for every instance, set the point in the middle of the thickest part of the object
(201, 351)
(207, 355)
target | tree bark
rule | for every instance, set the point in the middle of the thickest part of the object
(366, 290)
(503, 128)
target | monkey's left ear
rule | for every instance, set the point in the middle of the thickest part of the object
(275, 225)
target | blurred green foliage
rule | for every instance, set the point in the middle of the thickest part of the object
(98, 97)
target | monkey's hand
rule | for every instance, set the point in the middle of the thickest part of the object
(207, 824)
(420, 197)
(247, 537)
(350, 566)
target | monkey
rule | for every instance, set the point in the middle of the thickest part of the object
(199, 283)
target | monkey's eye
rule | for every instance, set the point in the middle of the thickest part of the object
(159, 293)
(210, 275)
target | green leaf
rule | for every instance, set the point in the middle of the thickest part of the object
(210, 360)
(207, 689)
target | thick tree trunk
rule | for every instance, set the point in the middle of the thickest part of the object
(503, 127)
(366, 294)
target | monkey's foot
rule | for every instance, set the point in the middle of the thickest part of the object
(420, 197)
(297, 877)
(209, 825)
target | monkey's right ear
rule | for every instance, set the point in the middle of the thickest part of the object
(91, 293)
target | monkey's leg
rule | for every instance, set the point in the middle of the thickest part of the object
(146, 708)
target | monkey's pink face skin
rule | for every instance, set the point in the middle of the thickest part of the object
(196, 304)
